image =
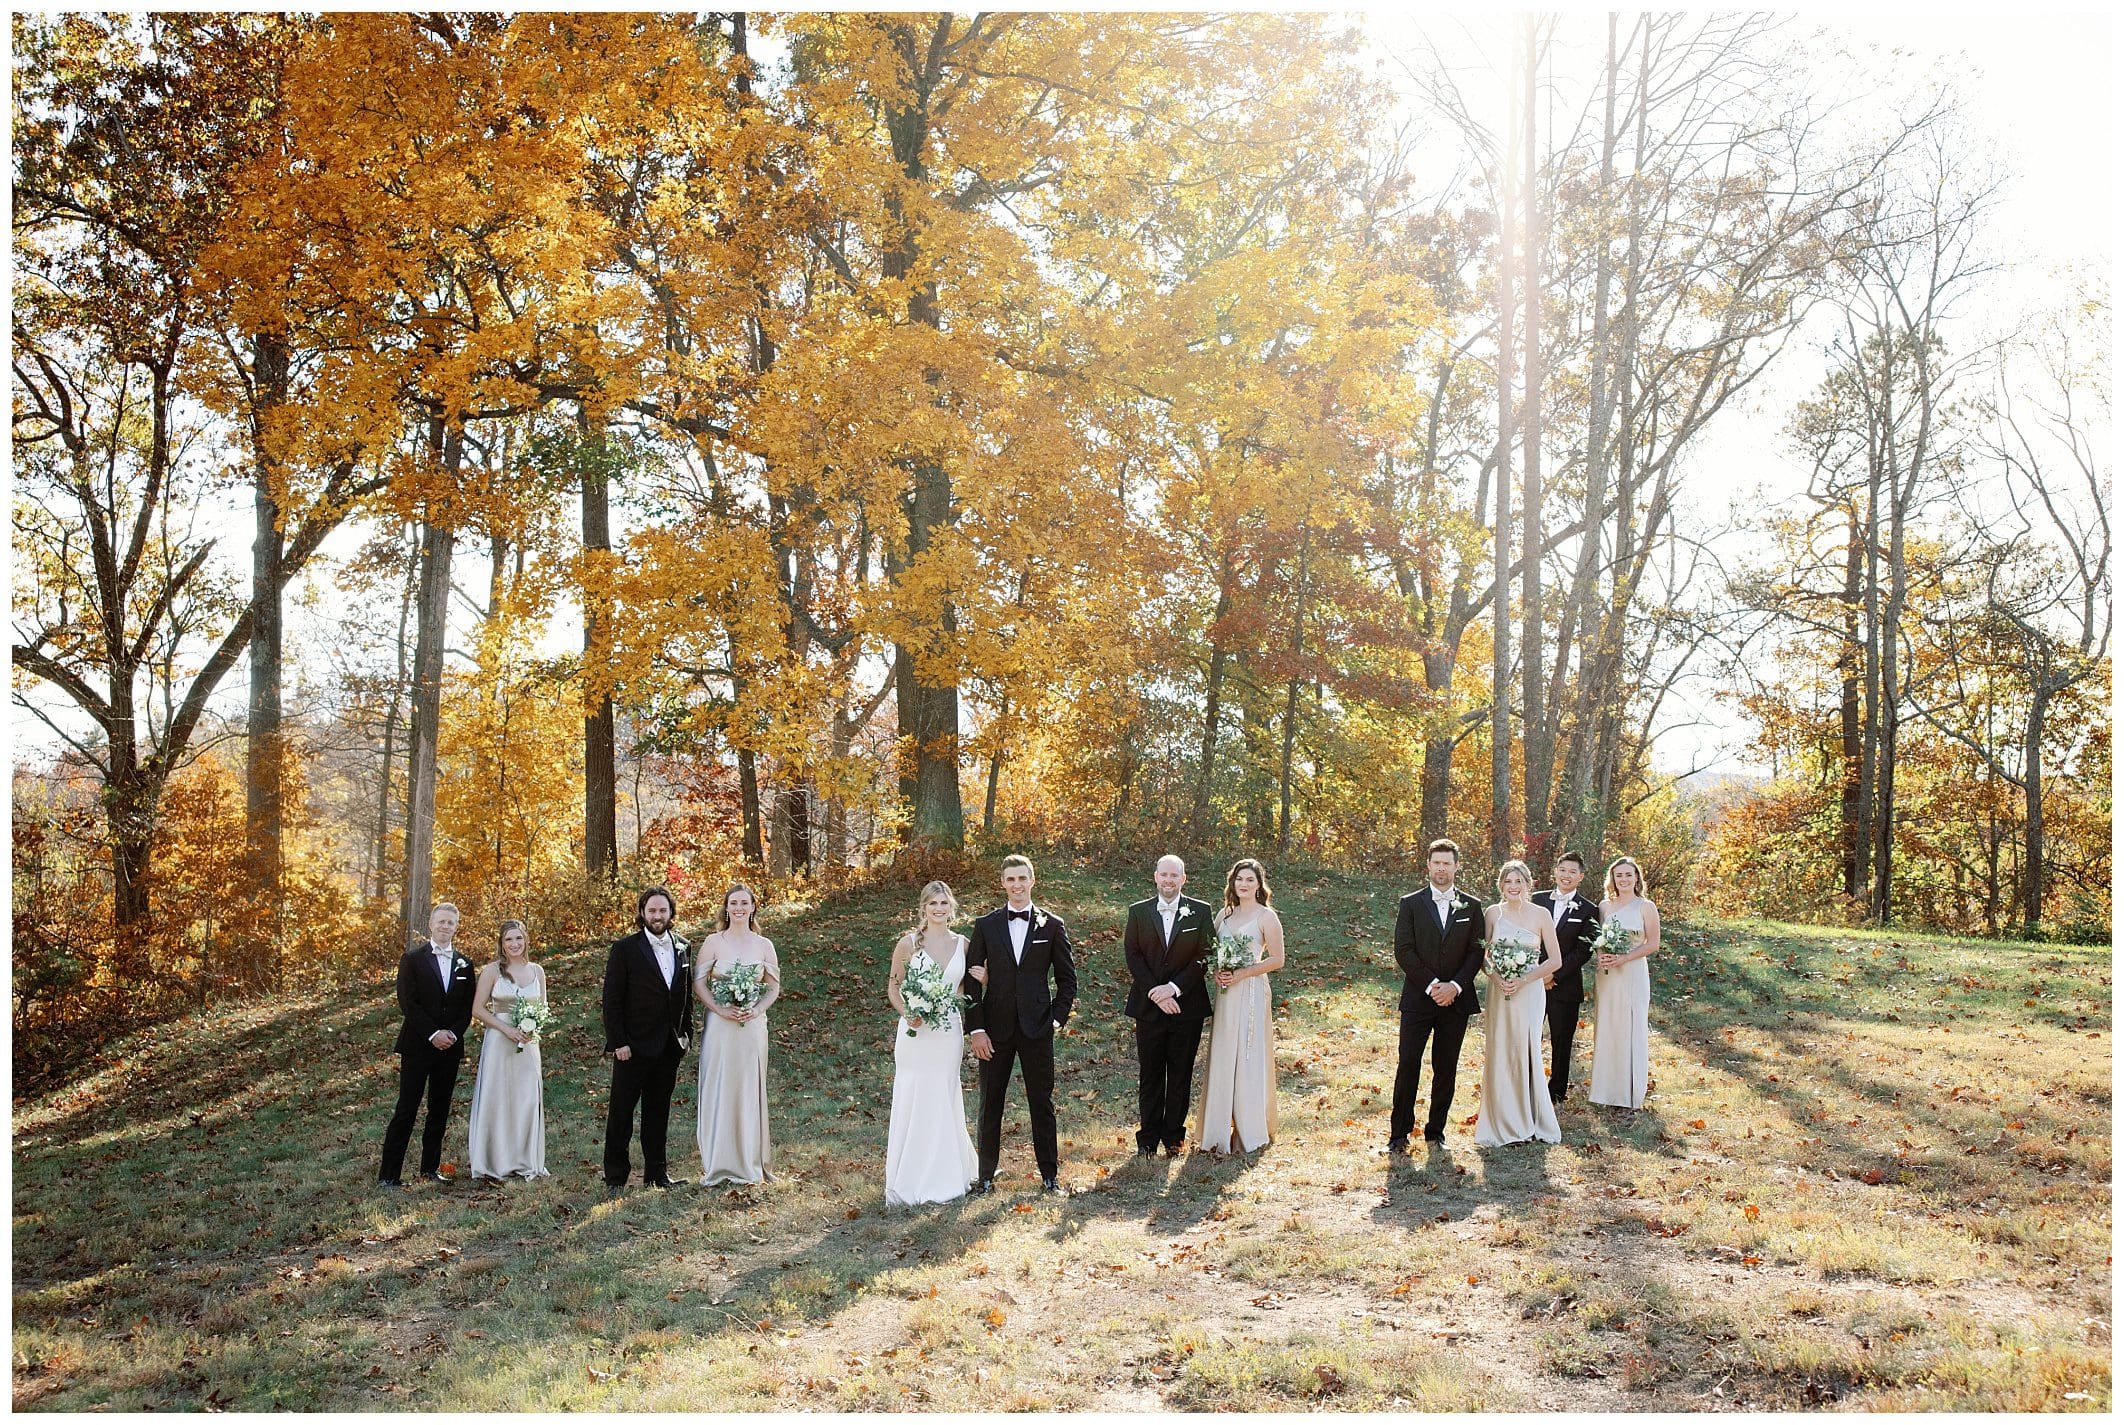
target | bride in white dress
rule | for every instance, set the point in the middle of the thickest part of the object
(1515, 1092)
(929, 1156)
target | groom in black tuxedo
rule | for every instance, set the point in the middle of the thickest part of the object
(648, 1013)
(435, 997)
(1015, 1015)
(1438, 944)
(1165, 942)
(1577, 922)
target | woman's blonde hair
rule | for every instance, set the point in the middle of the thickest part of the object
(1508, 868)
(1608, 885)
(934, 888)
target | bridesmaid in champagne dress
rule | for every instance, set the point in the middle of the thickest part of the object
(929, 1155)
(1622, 993)
(508, 1124)
(731, 1126)
(1237, 1109)
(1515, 1105)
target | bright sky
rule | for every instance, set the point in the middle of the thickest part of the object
(2038, 87)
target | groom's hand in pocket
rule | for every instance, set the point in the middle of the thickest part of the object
(981, 1047)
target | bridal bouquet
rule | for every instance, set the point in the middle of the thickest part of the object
(1510, 959)
(1233, 952)
(741, 986)
(928, 996)
(531, 1016)
(1614, 938)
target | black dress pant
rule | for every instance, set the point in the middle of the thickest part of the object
(1445, 1031)
(431, 1075)
(647, 1081)
(1166, 1045)
(1563, 1026)
(1038, 1058)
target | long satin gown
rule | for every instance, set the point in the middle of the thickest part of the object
(1622, 1000)
(508, 1123)
(1515, 1105)
(929, 1155)
(731, 1098)
(1237, 1109)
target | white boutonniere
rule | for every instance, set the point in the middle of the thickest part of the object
(1039, 920)
(1184, 912)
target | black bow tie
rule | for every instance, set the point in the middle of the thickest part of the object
(1019, 914)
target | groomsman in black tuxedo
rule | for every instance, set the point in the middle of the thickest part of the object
(1165, 942)
(435, 996)
(648, 1013)
(1015, 1015)
(1577, 922)
(1438, 944)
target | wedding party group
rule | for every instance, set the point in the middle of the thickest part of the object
(1003, 988)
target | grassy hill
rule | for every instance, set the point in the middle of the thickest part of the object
(1873, 1170)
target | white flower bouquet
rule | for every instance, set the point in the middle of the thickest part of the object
(530, 1018)
(1510, 959)
(741, 986)
(1614, 938)
(928, 996)
(1233, 952)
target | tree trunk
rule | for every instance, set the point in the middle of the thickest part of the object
(264, 736)
(1567, 813)
(1501, 543)
(390, 728)
(600, 743)
(2032, 853)
(433, 611)
(749, 807)
(929, 712)
(1290, 701)
(1852, 810)
(995, 776)
(1212, 709)
(1533, 719)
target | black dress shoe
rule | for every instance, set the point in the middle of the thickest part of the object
(983, 1187)
(1050, 1185)
(664, 1183)
(390, 1183)
(1397, 1145)
(1430, 1137)
(437, 1178)
(615, 1191)
(1143, 1152)
(1174, 1150)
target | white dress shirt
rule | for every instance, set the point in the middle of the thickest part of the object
(1169, 912)
(1019, 929)
(445, 957)
(1444, 901)
(1558, 905)
(666, 956)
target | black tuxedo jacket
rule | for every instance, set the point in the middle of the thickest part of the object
(1023, 986)
(427, 1007)
(1574, 936)
(1153, 962)
(1426, 952)
(640, 1011)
